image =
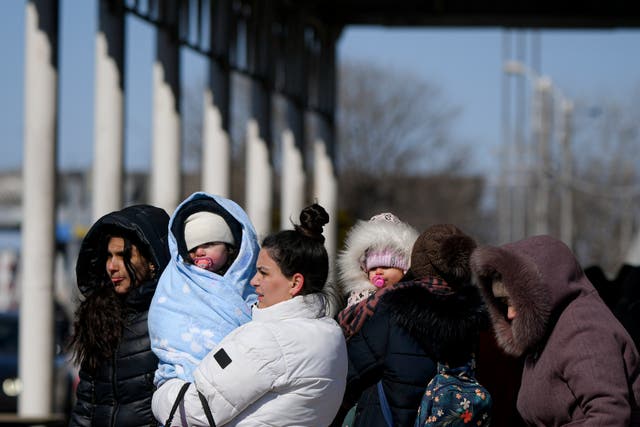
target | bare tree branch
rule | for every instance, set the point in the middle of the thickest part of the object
(390, 121)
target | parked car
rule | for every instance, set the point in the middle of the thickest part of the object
(64, 373)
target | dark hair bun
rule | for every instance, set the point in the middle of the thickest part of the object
(312, 220)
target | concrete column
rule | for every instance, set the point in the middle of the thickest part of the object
(293, 178)
(8, 259)
(166, 164)
(325, 182)
(259, 179)
(216, 148)
(108, 162)
(216, 144)
(38, 204)
(325, 174)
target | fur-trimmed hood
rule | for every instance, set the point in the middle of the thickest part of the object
(397, 236)
(541, 275)
(447, 327)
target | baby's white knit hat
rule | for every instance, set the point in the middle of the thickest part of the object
(203, 227)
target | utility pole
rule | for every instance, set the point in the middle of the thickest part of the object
(566, 200)
(504, 186)
(541, 210)
(519, 215)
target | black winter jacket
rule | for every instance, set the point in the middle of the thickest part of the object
(118, 393)
(400, 344)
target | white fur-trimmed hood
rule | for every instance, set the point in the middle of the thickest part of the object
(399, 237)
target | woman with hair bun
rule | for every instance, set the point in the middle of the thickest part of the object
(285, 367)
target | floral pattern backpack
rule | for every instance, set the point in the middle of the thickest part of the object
(454, 398)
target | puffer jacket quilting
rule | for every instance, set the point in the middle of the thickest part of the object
(118, 393)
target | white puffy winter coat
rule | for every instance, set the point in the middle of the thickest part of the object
(286, 367)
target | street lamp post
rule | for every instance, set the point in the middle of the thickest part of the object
(545, 95)
(541, 210)
(516, 178)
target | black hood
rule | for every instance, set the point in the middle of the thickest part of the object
(145, 225)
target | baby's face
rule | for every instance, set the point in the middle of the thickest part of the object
(211, 256)
(382, 277)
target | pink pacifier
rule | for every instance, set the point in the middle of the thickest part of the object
(203, 262)
(378, 281)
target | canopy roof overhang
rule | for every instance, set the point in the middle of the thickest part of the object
(592, 14)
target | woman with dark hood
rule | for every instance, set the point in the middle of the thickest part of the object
(396, 337)
(119, 263)
(581, 367)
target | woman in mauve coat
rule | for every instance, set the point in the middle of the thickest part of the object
(581, 367)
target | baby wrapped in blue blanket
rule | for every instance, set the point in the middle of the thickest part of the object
(204, 292)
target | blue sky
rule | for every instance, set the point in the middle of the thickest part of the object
(465, 63)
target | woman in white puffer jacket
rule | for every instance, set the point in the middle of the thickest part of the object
(286, 367)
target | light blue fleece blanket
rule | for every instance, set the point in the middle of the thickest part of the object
(192, 308)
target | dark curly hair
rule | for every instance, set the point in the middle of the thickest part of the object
(97, 326)
(302, 250)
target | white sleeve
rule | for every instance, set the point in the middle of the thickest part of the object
(240, 370)
(189, 413)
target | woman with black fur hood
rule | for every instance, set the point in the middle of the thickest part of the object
(119, 263)
(433, 314)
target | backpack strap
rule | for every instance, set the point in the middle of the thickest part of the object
(207, 410)
(384, 405)
(179, 398)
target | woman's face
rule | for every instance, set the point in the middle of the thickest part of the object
(504, 299)
(270, 284)
(117, 270)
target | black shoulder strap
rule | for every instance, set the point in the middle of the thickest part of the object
(207, 410)
(179, 398)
